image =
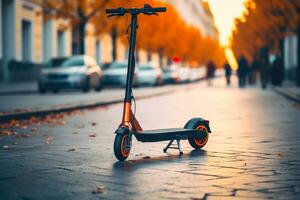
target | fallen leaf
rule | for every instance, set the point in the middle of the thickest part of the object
(61, 123)
(8, 132)
(146, 157)
(245, 164)
(34, 130)
(23, 136)
(99, 190)
(75, 133)
(93, 123)
(72, 149)
(93, 135)
(81, 126)
(281, 155)
(49, 140)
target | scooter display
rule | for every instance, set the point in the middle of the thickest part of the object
(196, 130)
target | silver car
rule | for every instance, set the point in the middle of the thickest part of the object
(77, 72)
(116, 74)
(149, 74)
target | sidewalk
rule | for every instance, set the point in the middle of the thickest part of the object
(289, 90)
(20, 105)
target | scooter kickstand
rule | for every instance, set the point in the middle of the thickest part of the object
(179, 147)
(170, 147)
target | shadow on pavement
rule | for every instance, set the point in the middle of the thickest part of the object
(137, 164)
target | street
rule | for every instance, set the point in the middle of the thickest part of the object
(252, 153)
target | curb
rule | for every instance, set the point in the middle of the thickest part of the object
(44, 112)
(2, 93)
(288, 95)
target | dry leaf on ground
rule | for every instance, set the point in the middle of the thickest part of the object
(49, 140)
(93, 135)
(281, 155)
(72, 149)
(99, 189)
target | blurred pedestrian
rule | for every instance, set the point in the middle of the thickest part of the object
(277, 72)
(264, 73)
(242, 71)
(228, 70)
(210, 72)
(254, 71)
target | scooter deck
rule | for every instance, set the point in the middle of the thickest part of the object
(167, 134)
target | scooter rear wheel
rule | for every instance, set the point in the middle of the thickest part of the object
(122, 146)
(199, 142)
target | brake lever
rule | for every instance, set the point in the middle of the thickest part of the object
(151, 13)
(111, 15)
(114, 15)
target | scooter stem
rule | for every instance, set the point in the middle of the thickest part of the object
(131, 59)
(127, 113)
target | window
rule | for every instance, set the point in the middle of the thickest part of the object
(26, 40)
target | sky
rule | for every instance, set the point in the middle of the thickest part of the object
(225, 11)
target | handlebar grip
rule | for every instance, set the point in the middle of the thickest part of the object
(161, 9)
(112, 11)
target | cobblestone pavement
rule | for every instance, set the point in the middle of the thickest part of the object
(253, 152)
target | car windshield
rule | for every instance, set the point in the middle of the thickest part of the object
(167, 70)
(73, 62)
(55, 62)
(118, 66)
(146, 68)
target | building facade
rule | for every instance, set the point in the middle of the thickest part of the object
(290, 56)
(27, 37)
(197, 13)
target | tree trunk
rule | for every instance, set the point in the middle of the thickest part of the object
(81, 32)
(114, 35)
(298, 55)
(149, 55)
(137, 55)
(161, 56)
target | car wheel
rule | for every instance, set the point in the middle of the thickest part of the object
(99, 86)
(86, 85)
(42, 90)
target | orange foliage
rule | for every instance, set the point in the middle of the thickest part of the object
(167, 34)
(264, 25)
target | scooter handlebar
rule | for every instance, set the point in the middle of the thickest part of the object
(145, 10)
(159, 9)
(114, 10)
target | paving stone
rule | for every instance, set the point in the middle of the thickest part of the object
(253, 152)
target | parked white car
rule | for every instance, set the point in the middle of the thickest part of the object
(170, 74)
(184, 74)
(77, 72)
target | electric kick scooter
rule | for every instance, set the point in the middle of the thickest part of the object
(196, 130)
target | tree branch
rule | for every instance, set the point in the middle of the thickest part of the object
(92, 13)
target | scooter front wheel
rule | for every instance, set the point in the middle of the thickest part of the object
(122, 146)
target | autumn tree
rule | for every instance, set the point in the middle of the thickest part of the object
(168, 34)
(265, 26)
